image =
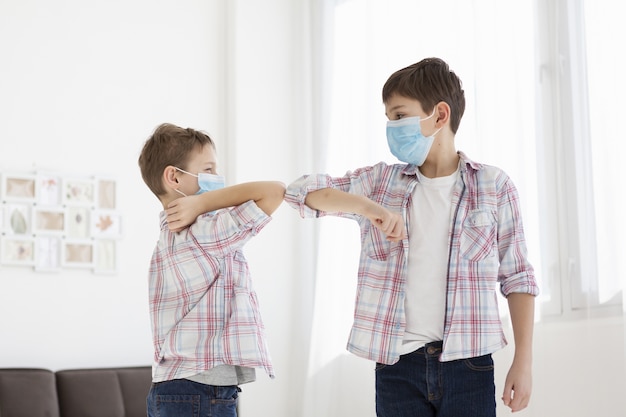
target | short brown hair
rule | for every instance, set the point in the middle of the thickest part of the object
(429, 81)
(168, 145)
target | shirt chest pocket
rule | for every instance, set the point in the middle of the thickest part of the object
(378, 248)
(478, 235)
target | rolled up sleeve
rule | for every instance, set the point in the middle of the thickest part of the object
(297, 191)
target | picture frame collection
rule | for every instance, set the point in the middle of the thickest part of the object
(50, 221)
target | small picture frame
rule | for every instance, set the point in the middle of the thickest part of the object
(17, 218)
(77, 224)
(17, 187)
(105, 252)
(2, 209)
(48, 189)
(77, 253)
(79, 192)
(47, 253)
(17, 251)
(106, 224)
(48, 220)
(106, 194)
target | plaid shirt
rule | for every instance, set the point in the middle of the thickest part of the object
(487, 246)
(203, 310)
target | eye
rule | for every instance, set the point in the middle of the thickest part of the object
(399, 116)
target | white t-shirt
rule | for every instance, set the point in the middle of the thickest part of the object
(426, 285)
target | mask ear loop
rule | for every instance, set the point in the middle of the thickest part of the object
(436, 131)
(182, 170)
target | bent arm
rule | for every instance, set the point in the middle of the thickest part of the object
(334, 200)
(268, 195)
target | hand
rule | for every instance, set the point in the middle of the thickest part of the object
(182, 212)
(388, 222)
(517, 387)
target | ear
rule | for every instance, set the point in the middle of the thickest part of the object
(442, 114)
(170, 177)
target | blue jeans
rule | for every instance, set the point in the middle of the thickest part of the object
(421, 386)
(184, 398)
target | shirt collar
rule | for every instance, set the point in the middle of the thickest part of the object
(466, 164)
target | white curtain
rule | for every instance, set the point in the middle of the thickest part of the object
(489, 44)
(608, 147)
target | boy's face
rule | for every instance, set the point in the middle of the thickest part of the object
(203, 161)
(399, 107)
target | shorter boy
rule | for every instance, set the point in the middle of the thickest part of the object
(207, 330)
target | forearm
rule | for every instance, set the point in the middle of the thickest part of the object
(522, 310)
(268, 195)
(333, 200)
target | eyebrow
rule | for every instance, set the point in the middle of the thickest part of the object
(394, 108)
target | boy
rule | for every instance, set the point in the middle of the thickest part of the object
(207, 330)
(437, 234)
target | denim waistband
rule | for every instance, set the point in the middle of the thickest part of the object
(431, 349)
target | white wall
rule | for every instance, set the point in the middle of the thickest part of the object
(579, 368)
(82, 84)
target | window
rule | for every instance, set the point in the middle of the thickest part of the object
(543, 90)
(580, 90)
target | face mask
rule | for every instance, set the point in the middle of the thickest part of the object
(206, 182)
(406, 141)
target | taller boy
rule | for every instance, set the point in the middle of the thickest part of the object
(438, 233)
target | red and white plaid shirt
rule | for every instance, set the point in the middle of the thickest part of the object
(487, 246)
(203, 310)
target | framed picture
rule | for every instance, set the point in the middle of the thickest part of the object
(78, 191)
(47, 253)
(48, 220)
(77, 254)
(48, 189)
(77, 222)
(18, 187)
(17, 218)
(106, 194)
(51, 221)
(106, 224)
(105, 256)
(17, 251)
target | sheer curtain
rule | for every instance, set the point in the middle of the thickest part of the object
(607, 89)
(489, 44)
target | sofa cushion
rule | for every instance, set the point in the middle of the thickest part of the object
(135, 384)
(107, 392)
(28, 393)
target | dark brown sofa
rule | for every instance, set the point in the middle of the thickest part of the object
(98, 392)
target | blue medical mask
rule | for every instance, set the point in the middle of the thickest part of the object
(206, 182)
(406, 141)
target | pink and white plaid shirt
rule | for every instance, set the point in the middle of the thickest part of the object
(203, 310)
(487, 246)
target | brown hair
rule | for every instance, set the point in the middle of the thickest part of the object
(429, 81)
(168, 145)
